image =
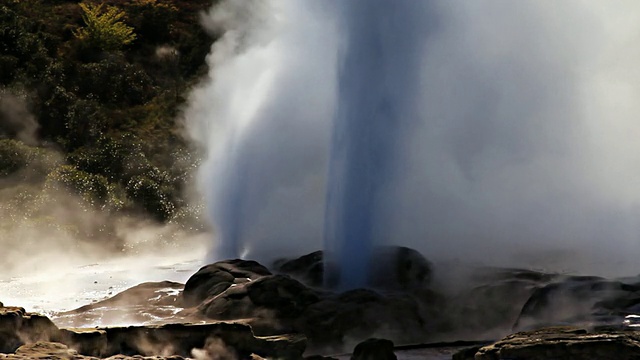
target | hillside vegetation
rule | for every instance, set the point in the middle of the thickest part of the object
(90, 94)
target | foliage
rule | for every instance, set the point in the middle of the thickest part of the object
(153, 19)
(152, 195)
(94, 189)
(107, 105)
(114, 81)
(104, 28)
(13, 156)
(16, 156)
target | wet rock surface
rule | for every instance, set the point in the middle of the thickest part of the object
(18, 327)
(579, 300)
(214, 279)
(24, 335)
(564, 343)
(146, 303)
(331, 321)
(374, 349)
(241, 309)
(393, 268)
(57, 351)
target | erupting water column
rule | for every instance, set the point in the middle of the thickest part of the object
(376, 87)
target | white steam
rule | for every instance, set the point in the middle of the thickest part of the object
(15, 119)
(525, 142)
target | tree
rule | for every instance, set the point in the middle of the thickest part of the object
(104, 27)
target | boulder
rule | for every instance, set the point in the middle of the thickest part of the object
(578, 300)
(18, 327)
(279, 304)
(309, 269)
(392, 268)
(490, 309)
(340, 321)
(182, 339)
(214, 279)
(400, 268)
(46, 350)
(272, 303)
(402, 307)
(90, 342)
(374, 349)
(565, 343)
(35, 336)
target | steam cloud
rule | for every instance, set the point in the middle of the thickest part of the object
(496, 132)
(15, 119)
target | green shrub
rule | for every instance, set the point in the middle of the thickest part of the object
(153, 197)
(153, 20)
(16, 156)
(94, 189)
(104, 28)
(8, 68)
(114, 81)
(109, 156)
(13, 156)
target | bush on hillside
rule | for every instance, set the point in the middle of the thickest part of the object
(104, 28)
(16, 156)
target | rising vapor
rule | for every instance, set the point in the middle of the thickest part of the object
(498, 132)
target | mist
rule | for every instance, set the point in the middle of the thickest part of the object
(16, 120)
(52, 237)
(511, 138)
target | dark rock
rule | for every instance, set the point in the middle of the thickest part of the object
(400, 268)
(91, 342)
(286, 296)
(214, 279)
(147, 303)
(319, 357)
(577, 300)
(493, 274)
(181, 339)
(466, 354)
(393, 268)
(564, 343)
(374, 349)
(18, 327)
(490, 309)
(272, 303)
(338, 322)
(309, 268)
(275, 304)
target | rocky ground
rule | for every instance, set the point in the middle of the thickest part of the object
(242, 309)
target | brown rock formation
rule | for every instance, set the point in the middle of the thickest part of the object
(23, 334)
(18, 327)
(564, 343)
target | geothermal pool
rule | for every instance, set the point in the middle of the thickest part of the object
(51, 292)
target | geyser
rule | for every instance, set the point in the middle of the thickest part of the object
(381, 54)
(485, 131)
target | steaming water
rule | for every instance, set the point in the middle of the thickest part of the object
(491, 131)
(53, 291)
